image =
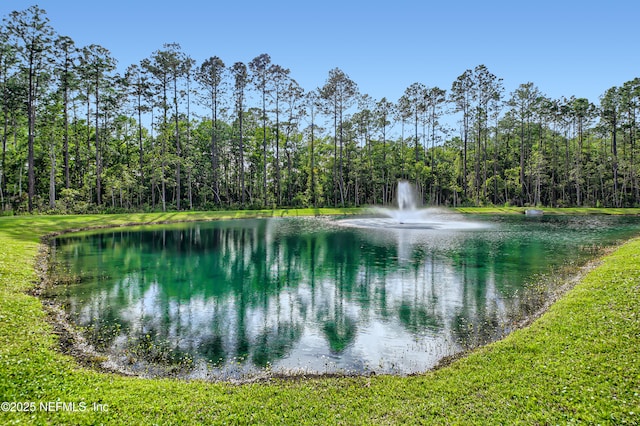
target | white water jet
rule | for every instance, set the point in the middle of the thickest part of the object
(406, 196)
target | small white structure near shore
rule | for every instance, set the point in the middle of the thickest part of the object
(533, 212)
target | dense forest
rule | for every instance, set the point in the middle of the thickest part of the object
(171, 134)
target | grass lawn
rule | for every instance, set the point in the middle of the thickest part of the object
(551, 210)
(578, 363)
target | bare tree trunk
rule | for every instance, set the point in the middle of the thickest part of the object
(98, 156)
(31, 112)
(52, 176)
(140, 150)
(67, 178)
(3, 179)
(178, 153)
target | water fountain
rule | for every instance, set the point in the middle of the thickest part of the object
(409, 214)
(406, 196)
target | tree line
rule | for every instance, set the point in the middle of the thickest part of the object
(172, 134)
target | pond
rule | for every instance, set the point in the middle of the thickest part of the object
(243, 298)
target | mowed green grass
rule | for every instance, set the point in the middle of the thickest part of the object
(579, 363)
(551, 210)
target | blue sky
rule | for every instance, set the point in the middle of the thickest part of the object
(567, 48)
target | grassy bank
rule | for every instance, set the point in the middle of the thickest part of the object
(550, 210)
(579, 363)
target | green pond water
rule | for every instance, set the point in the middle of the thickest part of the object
(234, 299)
